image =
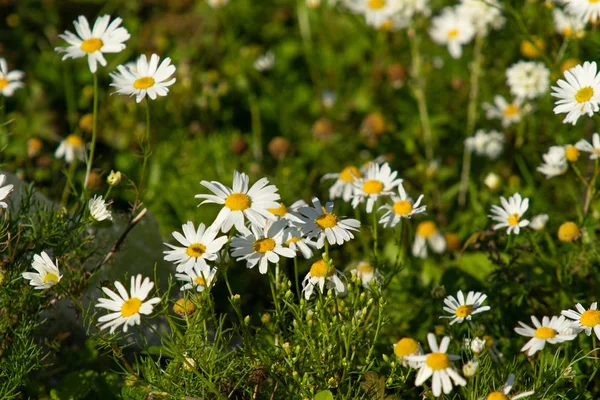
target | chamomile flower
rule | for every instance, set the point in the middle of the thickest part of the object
(320, 222)
(323, 276)
(510, 214)
(286, 212)
(555, 162)
(5, 191)
(593, 149)
(502, 393)
(93, 43)
(427, 232)
(376, 12)
(47, 274)
(452, 29)
(584, 10)
(126, 310)
(344, 184)
(9, 80)
(555, 330)
(528, 79)
(585, 320)
(406, 347)
(485, 14)
(438, 366)
(378, 181)
(198, 277)
(262, 246)
(402, 207)
(366, 273)
(70, 148)
(489, 144)
(99, 209)
(462, 309)
(147, 79)
(579, 94)
(567, 25)
(240, 202)
(294, 240)
(507, 113)
(265, 62)
(538, 222)
(199, 246)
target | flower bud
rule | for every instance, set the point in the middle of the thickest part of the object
(114, 178)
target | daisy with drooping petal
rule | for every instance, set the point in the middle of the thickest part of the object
(198, 277)
(344, 184)
(528, 79)
(47, 274)
(5, 191)
(555, 330)
(294, 240)
(508, 113)
(408, 347)
(510, 214)
(568, 25)
(320, 222)
(585, 320)
(102, 38)
(288, 212)
(462, 309)
(98, 209)
(126, 310)
(502, 393)
(555, 162)
(378, 181)
(72, 146)
(320, 274)
(403, 207)
(585, 10)
(438, 366)
(9, 81)
(240, 203)
(199, 246)
(366, 273)
(452, 29)
(593, 149)
(427, 232)
(262, 246)
(579, 94)
(148, 78)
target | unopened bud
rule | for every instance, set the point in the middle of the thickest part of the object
(114, 178)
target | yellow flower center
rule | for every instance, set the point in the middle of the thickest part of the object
(372, 186)
(403, 207)
(131, 306)
(584, 94)
(3, 83)
(568, 232)
(496, 396)
(143, 83)
(264, 245)
(437, 361)
(568, 31)
(376, 4)
(195, 250)
(184, 307)
(545, 333)
(50, 277)
(593, 1)
(590, 318)
(405, 347)
(237, 202)
(452, 33)
(365, 268)
(91, 45)
(572, 153)
(426, 229)
(200, 281)
(320, 269)
(326, 221)
(463, 311)
(386, 26)
(292, 240)
(349, 174)
(74, 140)
(513, 219)
(281, 210)
(511, 110)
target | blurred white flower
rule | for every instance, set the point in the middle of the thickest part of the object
(528, 79)
(9, 80)
(453, 29)
(485, 14)
(593, 149)
(584, 10)
(427, 232)
(538, 222)
(148, 78)
(217, 3)
(508, 113)
(70, 147)
(5, 191)
(376, 12)
(492, 181)
(265, 62)
(567, 25)
(489, 144)
(344, 184)
(555, 162)
(98, 209)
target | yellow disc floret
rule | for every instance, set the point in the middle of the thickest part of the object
(50, 277)
(91, 45)
(405, 347)
(584, 94)
(143, 83)
(568, 232)
(74, 141)
(131, 307)
(320, 269)
(463, 311)
(195, 250)
(238, 202)
(264, 245)
(511, 110)
(545, 333)
(513, 219)
(350, 174)
(426, 229)
(590, 318)
(452, 33)
(376, 4)
(184, 307)
(3, 83)
(572, 153)
(326, 220)
(437, 361)
(402, 207)
(280, 211)
(496, 396)
(372, 186)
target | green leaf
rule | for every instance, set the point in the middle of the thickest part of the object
(324, 395)
(74, 386)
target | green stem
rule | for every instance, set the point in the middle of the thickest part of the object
(146, 147)
(296, 276)
(90, 160)
(66, 190)
(374, 214)
(256, 127)
(3, 131)
(590, 190)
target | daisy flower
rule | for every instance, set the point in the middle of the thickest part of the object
(5, 191)
(376, 12)
(538, 222)
(555, 162)
(199, 246)
(344, 184)
(198, 277)
(240, 203)
(528, 79)
(502, 393)
(489, 144)
(408, 347)
(70, 147)
(484, 14)
(594, 149)
(586, 320)
(509, 215)
(98, 209)
(320, 274)
(403, 207)
(294, 240)
(288, 212)
(584, 10)
(148, 78)
(47, 274)
(9, 80)
(462, 309)
(262, 246)
(452, 29)
(567, 25)
(579, 94)
(126, 310)
(378, 181)
(264, 62)
(427, 232)
(508, 113)
(320, 222)
(555, 330)
(437, 365)
(366, 273)
(102, 38)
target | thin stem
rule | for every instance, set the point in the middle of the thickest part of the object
(374, 214)
(256, 127)
(590, 190)
(90, 160)
(146, 148)
(66, 190)
(4, 139)
(296, 276)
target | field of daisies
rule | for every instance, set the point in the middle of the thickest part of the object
(299, 199)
